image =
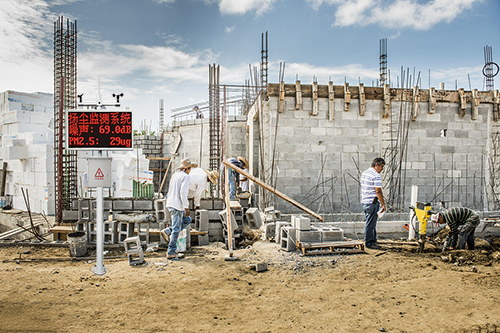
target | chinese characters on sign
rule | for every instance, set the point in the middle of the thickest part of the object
(99, 129)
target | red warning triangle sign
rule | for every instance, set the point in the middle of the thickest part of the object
(99, 173)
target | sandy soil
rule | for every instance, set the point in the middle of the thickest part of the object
(391, 291)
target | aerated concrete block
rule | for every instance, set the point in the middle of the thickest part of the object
(309, 236)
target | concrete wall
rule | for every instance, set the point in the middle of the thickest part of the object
(320, 160)
(196, 139)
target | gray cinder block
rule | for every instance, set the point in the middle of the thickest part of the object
(313, 235)
(269, 230)
(206, 204)
(142, 204)
(203, 240)
(122, 205)
(223, 215)
(301, 222)
(201, 220)
(253, 218)
(332, 234)
(287, 242)
(277, 235)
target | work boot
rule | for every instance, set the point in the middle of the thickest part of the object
(165, 236)
(175, 256)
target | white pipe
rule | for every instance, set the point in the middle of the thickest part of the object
(413, 223)
(99, 268)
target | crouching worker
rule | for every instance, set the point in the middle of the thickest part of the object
(178, 206)
(198, 181)
(462, 223)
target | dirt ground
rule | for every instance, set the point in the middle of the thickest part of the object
(396, 290)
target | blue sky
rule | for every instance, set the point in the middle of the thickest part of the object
(152, 49)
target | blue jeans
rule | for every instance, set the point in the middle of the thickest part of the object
(179, 223)
(371, 211)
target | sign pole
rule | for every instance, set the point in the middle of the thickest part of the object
(99, 268)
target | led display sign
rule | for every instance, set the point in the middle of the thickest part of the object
(99, 130)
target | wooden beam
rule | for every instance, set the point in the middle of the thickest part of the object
(159, 158)
(165, 177)
(273, 190)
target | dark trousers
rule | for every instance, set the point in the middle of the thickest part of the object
(371, 211)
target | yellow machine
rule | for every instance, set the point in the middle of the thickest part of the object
(423, 214)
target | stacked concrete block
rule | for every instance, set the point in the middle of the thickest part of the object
(110, 234)
(271, 214)
(309, 236)
(201, 224)
(125, 230)
(301, 223)
(215, 231)
(161, 211)
(218, 204)
(206, 204)
(287, 239)
(142, 231)
(81, 226)
(201, 220)
(253, 218)
(85, 210)
(141, 204)
(332, 234)
(134, 250)
(269, 230)
(223, 216)
(277, 235)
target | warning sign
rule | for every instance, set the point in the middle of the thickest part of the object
(99, 175)
(100, 168)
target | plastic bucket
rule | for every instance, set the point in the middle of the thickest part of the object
(181, 241)
(2, 202)
(77, 244)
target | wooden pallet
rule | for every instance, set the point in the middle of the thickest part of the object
(350, 247)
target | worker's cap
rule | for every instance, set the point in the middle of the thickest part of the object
(196, 108)
(243, 161)
(212, 175)
(186, 163)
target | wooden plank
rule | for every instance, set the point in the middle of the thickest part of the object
(159, 158)
(274, 191)
(165, 176)
(62, 229)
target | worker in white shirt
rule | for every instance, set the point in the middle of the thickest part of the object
(198, 181)
(178, 206)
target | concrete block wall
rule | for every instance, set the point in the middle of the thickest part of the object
(452, 168)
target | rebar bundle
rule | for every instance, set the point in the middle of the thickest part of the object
(214, 121)
(65, 97)
(383, 61)
(488, 69)
(264, 64)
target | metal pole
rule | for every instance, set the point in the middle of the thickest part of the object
(99, 268)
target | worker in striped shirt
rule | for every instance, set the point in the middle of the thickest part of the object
(462, 223)
(372, 199)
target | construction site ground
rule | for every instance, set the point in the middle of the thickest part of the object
(390, 290)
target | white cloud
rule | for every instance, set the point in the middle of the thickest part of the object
(243, 6)
(165, 1)
(337, 74)
(397, 14)
(229, 29)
